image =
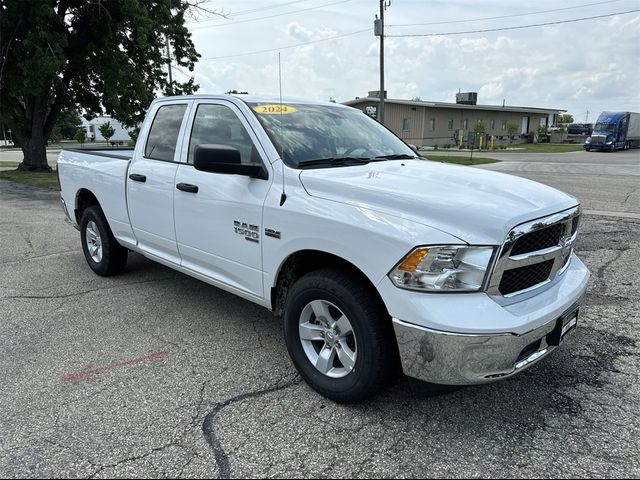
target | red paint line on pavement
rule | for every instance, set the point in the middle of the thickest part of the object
(89, 374)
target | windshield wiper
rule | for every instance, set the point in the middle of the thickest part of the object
(397, 156)
(335, 161)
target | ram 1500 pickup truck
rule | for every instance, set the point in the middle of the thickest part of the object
(373, 257)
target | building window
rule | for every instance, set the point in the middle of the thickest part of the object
(432, 124)
(504, 124)
(492, 125)
(450, 124)
(465, 124)
(405, 125)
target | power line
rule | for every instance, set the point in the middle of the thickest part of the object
(247, 12)
(514, 28)
(502, 16)
(289, 46)
(270, 7)
(271, 16)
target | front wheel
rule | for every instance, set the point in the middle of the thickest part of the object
(102, 251)
(339, 335)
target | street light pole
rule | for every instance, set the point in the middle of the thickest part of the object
(169, 65)
(379, 31)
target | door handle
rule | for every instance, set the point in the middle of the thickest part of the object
(187, 187)
(136, 177)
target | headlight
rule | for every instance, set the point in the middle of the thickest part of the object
(588, 140)
(443, 269)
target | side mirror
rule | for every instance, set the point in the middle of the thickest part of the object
(413, 147)
(224, 159)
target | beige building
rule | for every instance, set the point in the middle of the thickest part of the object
(440, 124)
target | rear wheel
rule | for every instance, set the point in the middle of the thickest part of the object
(339, 335)
(102, 251)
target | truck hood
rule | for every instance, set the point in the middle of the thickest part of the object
(478, 206)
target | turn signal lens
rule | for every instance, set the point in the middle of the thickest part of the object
(411, 263)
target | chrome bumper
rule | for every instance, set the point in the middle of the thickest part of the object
(461, 359)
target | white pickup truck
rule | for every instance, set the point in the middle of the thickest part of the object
(374, 257)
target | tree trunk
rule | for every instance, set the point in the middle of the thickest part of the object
(34, 148)
(35, 155)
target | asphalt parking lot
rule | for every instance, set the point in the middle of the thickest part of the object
(153, 374)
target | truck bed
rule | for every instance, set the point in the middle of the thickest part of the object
(102, 172)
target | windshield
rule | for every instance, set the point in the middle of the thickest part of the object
(321, 132)
(605, 127)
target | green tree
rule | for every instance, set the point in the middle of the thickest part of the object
(565, 118)
(106, 130)
(66, 126)
(512, 129)
(81, 136)
(68, 123)
(133, 134)
(542, 134)
(102, 56)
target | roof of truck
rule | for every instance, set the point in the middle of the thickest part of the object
(272, 99)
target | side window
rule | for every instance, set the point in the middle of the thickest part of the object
(219, 125)
(163, 136)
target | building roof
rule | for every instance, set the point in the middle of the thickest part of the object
(461, 106)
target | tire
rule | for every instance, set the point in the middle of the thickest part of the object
(103, 253)
(588, 149)
(370, 348)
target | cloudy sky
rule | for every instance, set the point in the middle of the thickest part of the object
(590, 65)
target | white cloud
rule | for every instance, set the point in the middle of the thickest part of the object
(592, 65)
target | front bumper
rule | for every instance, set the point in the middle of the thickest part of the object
(538, 325)
(598, 146)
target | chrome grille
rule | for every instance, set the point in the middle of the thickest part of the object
(598, 139)
(534, 253)
(538, 240)
(522, 278)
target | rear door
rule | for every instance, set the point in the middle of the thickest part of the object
(150, 182)
(219, 227)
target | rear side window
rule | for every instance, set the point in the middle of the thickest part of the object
(163, 136)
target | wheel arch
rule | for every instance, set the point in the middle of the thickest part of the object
(85, 198)
(300, 263)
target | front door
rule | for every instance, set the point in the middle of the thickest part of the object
(219, 227)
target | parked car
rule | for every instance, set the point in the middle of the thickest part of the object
(372, 256)
(580, 129)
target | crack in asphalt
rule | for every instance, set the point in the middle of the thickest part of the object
(208, 425)
(135, 458)
(85, 292)
(25, 259)
(601, 271)
(604, 299)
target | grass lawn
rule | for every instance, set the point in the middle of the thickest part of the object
(544, 148)
(4, 164)
(37, 179)
(460, 160)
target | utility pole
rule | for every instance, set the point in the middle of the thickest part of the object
(379, 32)
(586, 118)
(169, 65)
